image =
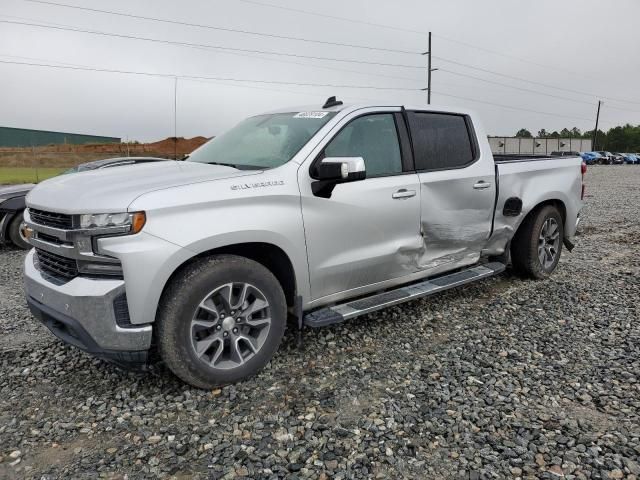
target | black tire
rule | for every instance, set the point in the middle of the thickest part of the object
(180, 302)
(14, 232)
(524, 246)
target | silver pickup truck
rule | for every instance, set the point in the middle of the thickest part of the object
(318, 214)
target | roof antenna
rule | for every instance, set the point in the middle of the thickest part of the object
(331, 102)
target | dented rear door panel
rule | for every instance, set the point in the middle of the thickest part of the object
(456, 216)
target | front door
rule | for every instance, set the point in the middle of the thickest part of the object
(368, 231)
(458, 191)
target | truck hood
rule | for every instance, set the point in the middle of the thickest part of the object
(112, 190)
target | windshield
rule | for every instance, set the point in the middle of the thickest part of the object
(265, 141)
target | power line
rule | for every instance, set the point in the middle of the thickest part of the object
(506, 55)
(334, 17)
(216, 82)
(380, 25)
(215, 47)
(220, 79)
(621, 108)
(512, 77)
(224, 29)
(402, 29)
(511, 107)
(320, 41)
(537, 92)
(268, 59)
(324, 67)
(202, 77)
(466, 86)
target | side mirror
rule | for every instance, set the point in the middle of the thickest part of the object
(334, 170)
(341, 169)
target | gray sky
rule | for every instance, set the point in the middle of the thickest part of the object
(588, 46)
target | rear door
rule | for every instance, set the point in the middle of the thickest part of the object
(457, 185)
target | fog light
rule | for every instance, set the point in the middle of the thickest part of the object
(26, 232)
(100, 268)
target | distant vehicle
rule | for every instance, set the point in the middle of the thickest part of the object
(631, 158)
(591, 158)
(12, 198)
(565, 154)
(11, 208)
(606, 157)
(617, 159)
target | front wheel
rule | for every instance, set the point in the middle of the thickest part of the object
(15, 232)
(221, 320)
(537, 245)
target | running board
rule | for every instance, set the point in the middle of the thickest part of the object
(345, 311)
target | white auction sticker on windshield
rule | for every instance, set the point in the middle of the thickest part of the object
(311, 115)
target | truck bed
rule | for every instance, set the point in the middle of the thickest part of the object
(529, 180)
(511, 158)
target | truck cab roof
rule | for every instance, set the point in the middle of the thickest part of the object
(352, 107)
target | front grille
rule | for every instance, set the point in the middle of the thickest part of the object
(51, 219)
(51, 239)
(56, 265)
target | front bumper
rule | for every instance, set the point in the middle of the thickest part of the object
(81, 312)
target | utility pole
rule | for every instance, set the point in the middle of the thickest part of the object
(429, 74)
(35, 162)
(175, 118)
(595, 132)
(429, 71)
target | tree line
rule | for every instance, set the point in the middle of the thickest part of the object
(624, 138)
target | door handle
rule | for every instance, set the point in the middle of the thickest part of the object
(481, 185)
(404, 193)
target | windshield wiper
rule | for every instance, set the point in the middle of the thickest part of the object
(238, 166)
(223, 164)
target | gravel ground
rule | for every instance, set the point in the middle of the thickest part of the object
(502, 379)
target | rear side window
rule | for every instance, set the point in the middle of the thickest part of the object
(440, 140)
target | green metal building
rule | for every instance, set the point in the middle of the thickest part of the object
(22, 137)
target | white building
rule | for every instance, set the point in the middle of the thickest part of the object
(538, 146)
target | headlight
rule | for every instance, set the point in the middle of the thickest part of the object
(135, 221)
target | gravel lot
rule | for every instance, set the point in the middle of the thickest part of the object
(503, 379)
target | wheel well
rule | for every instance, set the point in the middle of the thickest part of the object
(268, 255)
(559, 204)
(9, 217)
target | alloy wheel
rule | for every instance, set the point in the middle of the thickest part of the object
(549, 243)
(230, 325)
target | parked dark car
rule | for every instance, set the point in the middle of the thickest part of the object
(606, 157)
(617, 158)
(11, 208)
(12, 198)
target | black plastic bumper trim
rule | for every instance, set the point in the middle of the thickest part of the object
(70, 331)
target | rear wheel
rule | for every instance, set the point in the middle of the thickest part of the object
(221, 320)
(537, 246)
(15, 232)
